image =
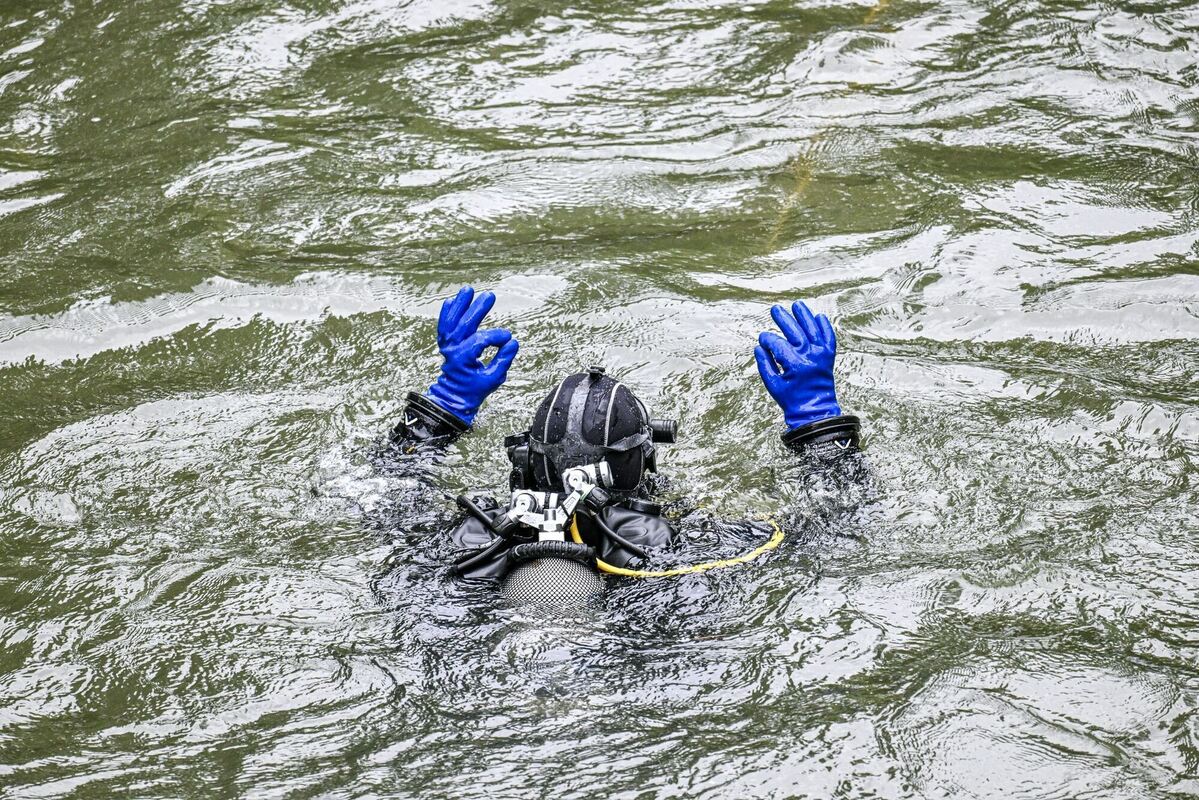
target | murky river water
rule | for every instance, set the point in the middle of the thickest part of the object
(226, 227)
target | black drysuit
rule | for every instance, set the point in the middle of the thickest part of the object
(828, 452)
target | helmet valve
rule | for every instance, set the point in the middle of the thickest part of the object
(597, 474)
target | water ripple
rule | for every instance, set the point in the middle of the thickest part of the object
(227, 229)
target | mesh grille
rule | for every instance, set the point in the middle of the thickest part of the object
(553, 582)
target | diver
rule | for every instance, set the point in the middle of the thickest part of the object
(582, 474)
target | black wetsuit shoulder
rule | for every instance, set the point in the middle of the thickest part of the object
(829, 449)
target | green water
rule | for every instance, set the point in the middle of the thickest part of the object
(226, 227)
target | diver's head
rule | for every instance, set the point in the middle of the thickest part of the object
(588, 417)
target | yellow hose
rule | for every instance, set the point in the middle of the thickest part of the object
(691, 569)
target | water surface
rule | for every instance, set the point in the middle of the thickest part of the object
(226, 230)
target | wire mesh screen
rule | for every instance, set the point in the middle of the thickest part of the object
(553, 582)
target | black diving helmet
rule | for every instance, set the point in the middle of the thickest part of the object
(589, 417)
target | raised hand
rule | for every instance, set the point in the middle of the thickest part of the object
(797, 367)
(465, 381)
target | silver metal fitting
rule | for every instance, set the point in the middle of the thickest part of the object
(525, 501)
(597, 474)
(541, 511)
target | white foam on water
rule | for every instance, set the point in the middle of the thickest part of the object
(95, 326)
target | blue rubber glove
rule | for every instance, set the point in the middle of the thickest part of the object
(465, 381)
(798, 369)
